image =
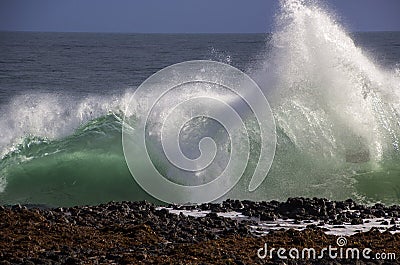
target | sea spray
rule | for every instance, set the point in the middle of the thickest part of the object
(332, 103)
(336, 110)
(52, 115)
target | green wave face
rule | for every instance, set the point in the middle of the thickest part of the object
(87, 167)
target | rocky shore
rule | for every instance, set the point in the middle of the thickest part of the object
(142, 233)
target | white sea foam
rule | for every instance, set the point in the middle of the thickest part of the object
(52, 116)
(325, 91)
(265, 227)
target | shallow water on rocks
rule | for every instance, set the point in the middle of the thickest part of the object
(264, 227)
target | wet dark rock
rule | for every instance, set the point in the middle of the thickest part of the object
(16, 207)
(212, 215)
(249, 213)
(216, 208)
(378, 213)
(267, 216)
(357, 221)
(336, 222)
(312, 226)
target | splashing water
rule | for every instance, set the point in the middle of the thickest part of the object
(333, 104)
(337, 115)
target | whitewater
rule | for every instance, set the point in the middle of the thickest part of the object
(336, 109)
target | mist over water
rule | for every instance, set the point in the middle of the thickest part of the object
(336, 108)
